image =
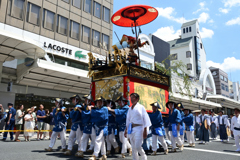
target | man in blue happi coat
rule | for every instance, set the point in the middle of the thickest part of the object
(189, 127)
(157, 124)
(213, 127)
(222, 125)
(99, 117)
(204, 124)
(121, 115)
(60, 118)
(180, 107)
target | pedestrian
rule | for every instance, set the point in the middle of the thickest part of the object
(99, 117)
(60, 118)
(180, 107)
(174, 125)
(230, 121)
(88, 130)
(196, 124)
(235, 128)
(137, 124)
(10, 122)
(204, 124)
(41, 115)
(222, 126)
(110, 138)
(34, 116)
(157, 132)
(46, 124)
(2, 116)
(121, 115)
(51, 123)
(75, 133)
(19, 121)
(188, 120)
(29, 125)
(166, 127)
(213, 127)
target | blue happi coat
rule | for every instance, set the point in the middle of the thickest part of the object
(99, 117)
(76, 118)
(174, 118)
(121, 115)
(86, 120)
(59, 120)
(111, 123)
(188, 120)
(156, 120)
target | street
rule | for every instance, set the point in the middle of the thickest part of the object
(35, 150)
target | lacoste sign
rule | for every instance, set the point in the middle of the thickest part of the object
(78, 54)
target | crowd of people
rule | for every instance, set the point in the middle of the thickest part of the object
(101, 120)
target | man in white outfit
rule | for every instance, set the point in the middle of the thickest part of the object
(235, 128)
(137, 123)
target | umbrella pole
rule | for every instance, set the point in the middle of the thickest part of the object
(137, 42)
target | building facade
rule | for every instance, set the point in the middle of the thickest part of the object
(44, 46)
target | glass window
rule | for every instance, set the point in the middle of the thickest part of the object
(106, 14)
(222, 78)
(146, 65)
(189, 66)
(66, 1)
(62, 25)
(48, 19)
(60, 61)
(174, 57)
(86, 34)
(188, 54)
(74, 30)
(97, 10)
(187, 30)
(76, 3)
(190, 29)
(105, 42)
(33, 13)
(183, 30)
(17, 8)
(87, 5)
(225, 79)
(223, 86)
(201, 46)
(226, 88)
(95, 38)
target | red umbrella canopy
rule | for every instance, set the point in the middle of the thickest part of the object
(141, 14)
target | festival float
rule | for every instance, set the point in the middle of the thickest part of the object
(121, 72)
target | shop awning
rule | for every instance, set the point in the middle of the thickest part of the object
(16, 46)
(224, 101)
(194, 103)
(45, 74)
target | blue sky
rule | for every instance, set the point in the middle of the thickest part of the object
(219, 22)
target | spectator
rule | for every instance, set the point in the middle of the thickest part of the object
(34, 115)
(46, 123)
(19, 121)
(1, 115)
(10, 121)
(29, 126)
(40, 118)
(51, 123)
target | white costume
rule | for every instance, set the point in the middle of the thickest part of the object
(138, 116)
(29, 125)
(235, 127)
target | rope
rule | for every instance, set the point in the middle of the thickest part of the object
(29, 130)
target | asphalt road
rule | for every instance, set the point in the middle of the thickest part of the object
(34, 150)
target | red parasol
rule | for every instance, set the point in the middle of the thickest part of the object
(134, 15)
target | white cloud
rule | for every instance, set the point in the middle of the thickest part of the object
(167, 33)
(229, 64)
(233, 21)
(211, 21)
(206, 33)
(231, 3)
(168, 13)
(225, 11)
(203, 17)
(202, 8)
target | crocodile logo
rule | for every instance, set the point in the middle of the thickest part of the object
(80, 55)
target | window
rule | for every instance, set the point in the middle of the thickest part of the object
(86, 34)
(105, 42)
(97, 10)
(74, 30)
(33, 13)
(48, 19)
(222, 78)
(226, 79)
(189, 66)
(106, 14)
(174, 57)
(201, 45)
(183, 30)
(223, 86)
(76, 3)
(146, 65)
(188, 54)
(66, 1)
(226, 88)
(62, 24)
(190, 29)
(187, 30)
(17, 8)
(87, 6)
(95, 38)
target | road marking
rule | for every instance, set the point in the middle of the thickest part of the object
(211, 151)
